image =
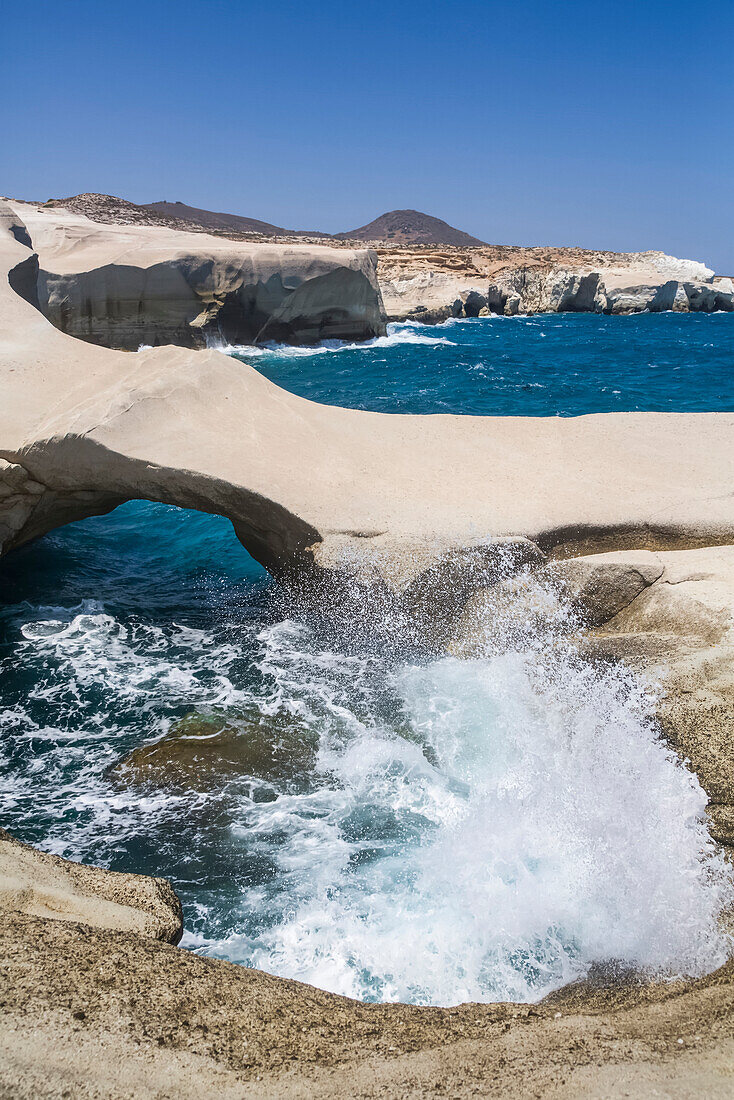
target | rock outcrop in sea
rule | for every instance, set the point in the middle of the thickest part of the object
(664, 283)
(431, 286)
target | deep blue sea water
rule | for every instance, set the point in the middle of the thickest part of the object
(554, 364)
(452, 830)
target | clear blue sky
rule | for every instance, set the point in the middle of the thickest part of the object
(605, 125)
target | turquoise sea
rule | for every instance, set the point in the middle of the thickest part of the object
(547, 365)
(398, 826)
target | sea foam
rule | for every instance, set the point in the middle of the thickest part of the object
(483, 829)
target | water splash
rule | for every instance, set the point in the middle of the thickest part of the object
(463, 830)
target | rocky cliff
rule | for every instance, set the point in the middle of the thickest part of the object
(126, 285)
(93, 1003)
(83, 428)
(431, 285)
(652, 284)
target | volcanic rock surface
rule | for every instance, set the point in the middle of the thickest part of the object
(91, 1007)
(124, 286)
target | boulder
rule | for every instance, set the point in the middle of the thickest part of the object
(648, 283)
(599, 587)
(679, 635)
(709, 297)
(204, 752)
(543, 290)
(558, 597)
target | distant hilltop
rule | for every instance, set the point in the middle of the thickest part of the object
(399, 227)
(410, 227)
(428, 270)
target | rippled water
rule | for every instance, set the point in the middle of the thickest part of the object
(565, 364)
(369, 818)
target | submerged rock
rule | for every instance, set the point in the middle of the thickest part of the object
(203, 752)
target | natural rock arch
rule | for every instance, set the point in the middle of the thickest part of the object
(83, 428)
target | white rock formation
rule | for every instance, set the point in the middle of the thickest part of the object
(126, 285)
(84, 428)
(41, 885)
(654, 282)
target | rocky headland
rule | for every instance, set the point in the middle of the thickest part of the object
(627, 517)
(123, 285)
(426, 270)
(431, 285)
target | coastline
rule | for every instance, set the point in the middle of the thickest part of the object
(88, 997)
(78, 1000)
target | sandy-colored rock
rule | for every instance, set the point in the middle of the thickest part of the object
(679, 635)
(668, 614)
(91, 1012)
(95, 427)
(432, 284)
(126, 285)
(649, 282)
(41, 885)
(600, 587)
(107, 1014)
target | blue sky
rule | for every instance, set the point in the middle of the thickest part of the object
(608, 126)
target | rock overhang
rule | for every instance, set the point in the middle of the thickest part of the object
(93, 426)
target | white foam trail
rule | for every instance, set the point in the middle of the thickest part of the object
(397, 334)
(472, 830)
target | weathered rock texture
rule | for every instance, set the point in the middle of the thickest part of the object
(433, 284)
(407, 501)
(652, 284)
(126, 285)
(84, 428)
(678, 631)
(670, 615)
(93, 1013)
(41, 885)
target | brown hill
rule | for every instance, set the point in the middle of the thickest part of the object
(410, 227)
(226, 222)
(398, 227)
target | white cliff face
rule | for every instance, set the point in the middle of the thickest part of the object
(126, 285)
(656, 283)
(465, 283)
(84, 428)
(433, 296)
